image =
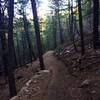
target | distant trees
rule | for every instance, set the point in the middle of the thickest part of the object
(59, 23)
(56, 6)
(26, 29)
(72, 24)
(54, 23)
(25, 34)
(78, 11)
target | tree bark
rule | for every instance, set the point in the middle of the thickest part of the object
(54, 30)
(11, 55)
(81, 27)
(95, 23)
(3, 41)
(37, 31)
(71, 28)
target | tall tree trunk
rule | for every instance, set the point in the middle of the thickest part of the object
(71, 28)
(95, 23)
(3, 40)
(71, 24)
(54, 30)
(11, 55)
(37, 31)
(81, 27)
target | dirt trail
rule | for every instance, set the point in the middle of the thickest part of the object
(50, 88)
(56, 89)
(59, 84)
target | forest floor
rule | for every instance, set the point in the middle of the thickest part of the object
(71, 77)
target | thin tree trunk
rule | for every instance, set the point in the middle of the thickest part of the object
(54, 30)
(37, 31)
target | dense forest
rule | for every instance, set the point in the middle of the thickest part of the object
(69, 28)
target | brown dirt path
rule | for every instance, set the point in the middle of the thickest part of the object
(56, 88)
(61, 85)
(50, 88)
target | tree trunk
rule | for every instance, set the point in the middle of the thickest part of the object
(81, 27)
(71, 28)
(11, 55)
(95, 23)
(3, 40)
(37, 31)
(54, 30)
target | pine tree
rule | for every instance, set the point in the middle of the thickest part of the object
(81, 27)
(71, 25)
(3, 40)
(11, 55)
(37, 31)
(95, 23)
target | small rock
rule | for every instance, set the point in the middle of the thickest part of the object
(93, 91)
(67, 51)
(28, 83)
(36, 76)
(35, 81)
(85, 83)
(43, 71)
(24, 89)
(60, 53)
(14, 98)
